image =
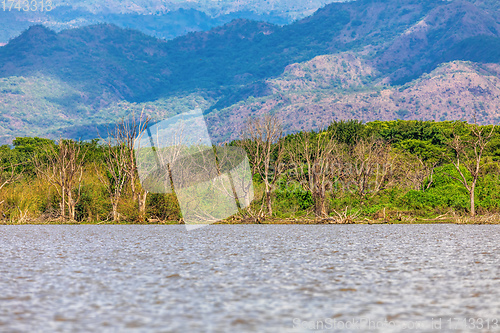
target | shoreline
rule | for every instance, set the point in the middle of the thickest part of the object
(460, 221)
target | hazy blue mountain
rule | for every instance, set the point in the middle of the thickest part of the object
(165, 25)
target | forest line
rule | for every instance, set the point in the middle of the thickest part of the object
(348, 172)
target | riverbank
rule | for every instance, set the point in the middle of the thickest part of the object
(493, 219)
(379, 172)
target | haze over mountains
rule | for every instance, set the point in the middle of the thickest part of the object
(366, 59)
(165, 25)
(165, 19)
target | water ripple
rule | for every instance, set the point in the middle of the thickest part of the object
(243, 278)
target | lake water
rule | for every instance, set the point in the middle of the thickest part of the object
(249, 278)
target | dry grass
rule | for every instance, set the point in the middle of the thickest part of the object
(482, 219)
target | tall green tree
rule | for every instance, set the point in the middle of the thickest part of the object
(467, 144)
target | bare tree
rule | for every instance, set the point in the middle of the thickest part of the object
(7, 177)
(468, 150)
(8, 174)
(62, 167)
(317, 161)
(371, 167)
(233, 162)
(412, 171)
(126, 133)
(262, 138)
(115, 161)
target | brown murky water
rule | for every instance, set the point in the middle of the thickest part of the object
(248, 278)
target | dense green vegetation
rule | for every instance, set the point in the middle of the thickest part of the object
(395, 170)
(390, 170)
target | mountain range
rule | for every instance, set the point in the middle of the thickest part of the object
(164, 19)
(365, 59)
(164, 25)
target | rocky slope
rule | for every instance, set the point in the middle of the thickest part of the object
(454, 91)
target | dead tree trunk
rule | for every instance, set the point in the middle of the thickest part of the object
(115, 177)
(263, 142)
(316, 157)
(126, 133)
(372, 167)
(62, 167)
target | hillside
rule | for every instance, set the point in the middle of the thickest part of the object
(434, 39)
(47, 107)
(345, 87)
(365, 59)
(104, 59)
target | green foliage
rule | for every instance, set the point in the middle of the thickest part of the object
(26, 146)
(94, 203)
(163, 206)
(400, 130)
(347, 132)
(30, 197)
(422, 149)
(292, 198)
(446, 192)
